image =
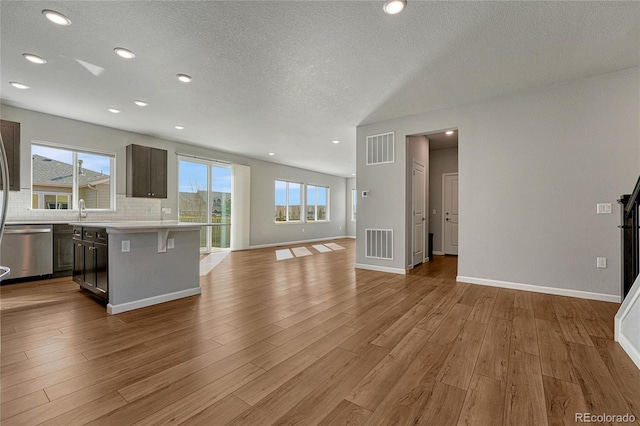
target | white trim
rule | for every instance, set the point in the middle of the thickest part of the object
(632, 298)
(438, 253)
(381, 269)
(630, 350)
(630, 302)
(205, 159)
(288, 243)
(76, 148)
(143, 303)
(541, 289)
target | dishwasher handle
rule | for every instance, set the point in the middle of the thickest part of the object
(27, 231)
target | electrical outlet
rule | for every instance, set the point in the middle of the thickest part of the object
(302, 229)
(603, 208)
(601, 262)
(171, 243)
(166, 210)
(126, 246)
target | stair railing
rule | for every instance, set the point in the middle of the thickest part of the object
(629, 228)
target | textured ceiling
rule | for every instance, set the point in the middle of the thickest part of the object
(290, 77)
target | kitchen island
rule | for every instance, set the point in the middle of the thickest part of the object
(149, 262)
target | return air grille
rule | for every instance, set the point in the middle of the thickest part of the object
(380, 149)
(379, 243)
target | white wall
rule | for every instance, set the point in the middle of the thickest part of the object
(532, 168)
(440, 161)
(50, 128)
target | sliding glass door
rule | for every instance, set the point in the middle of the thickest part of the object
(204, 195)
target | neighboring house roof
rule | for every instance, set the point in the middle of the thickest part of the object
(47, 171)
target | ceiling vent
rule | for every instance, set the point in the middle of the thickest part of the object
(379, 243)
(381, 149)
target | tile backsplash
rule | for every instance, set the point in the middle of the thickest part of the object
(19, 210)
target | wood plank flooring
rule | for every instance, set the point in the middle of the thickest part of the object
(312, 340)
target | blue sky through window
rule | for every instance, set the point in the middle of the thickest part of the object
(94, 162)
(193, 177)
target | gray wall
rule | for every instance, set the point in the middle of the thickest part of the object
(440, 161)
(351, 225)
(50, 128)
(532, 168)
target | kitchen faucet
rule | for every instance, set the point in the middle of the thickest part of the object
(82, 212)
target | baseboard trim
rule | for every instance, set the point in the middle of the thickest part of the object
(630, 350)
(438, 253)
(290, 243)
(541, 289)
(381, 269)
(143, 303)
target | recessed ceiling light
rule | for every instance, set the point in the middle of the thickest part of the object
(34, 58)
(184, 78)
(392, 7)
(449, 132)
(140, 103)
(18, 85)
(124, 53)
(272, 153)
(114, 110)
(56, 17)
(336, 142)
(179, 127)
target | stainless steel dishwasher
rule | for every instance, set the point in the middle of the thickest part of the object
(27, 250)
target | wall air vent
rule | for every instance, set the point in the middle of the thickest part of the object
(381, 149)
(379, 243)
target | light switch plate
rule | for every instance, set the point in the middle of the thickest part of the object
(601, 262)
(166, 210)
(126, 246)
(171, 243)
(603, 208)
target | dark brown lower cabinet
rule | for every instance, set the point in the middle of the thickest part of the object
(91, 261)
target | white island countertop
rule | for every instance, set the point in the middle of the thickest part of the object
(139, 225)
(161, 227)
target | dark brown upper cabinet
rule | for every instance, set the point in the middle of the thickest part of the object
(146, 172)
(11, 138)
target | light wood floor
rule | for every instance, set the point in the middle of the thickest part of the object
(312, 341)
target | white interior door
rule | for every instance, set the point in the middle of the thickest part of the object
(418, 213)
(450, 204)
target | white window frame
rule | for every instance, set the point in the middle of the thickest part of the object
(354, 204)
(286, 206)
(75, 150)
(210, 163)
(41, 201)
(315, 205)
